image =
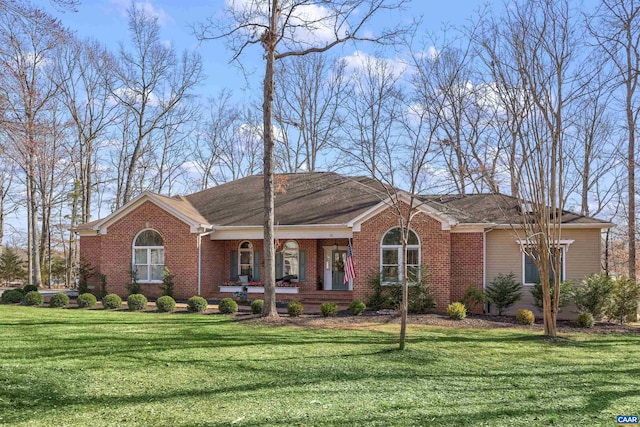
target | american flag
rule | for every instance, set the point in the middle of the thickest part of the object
(349, 267)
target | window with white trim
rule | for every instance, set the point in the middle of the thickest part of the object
(530, 270)
(148, 256)
(291, 258)
(245, 260)
(391, 257)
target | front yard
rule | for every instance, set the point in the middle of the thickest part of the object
(78, 367)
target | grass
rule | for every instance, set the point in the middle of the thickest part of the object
(78, 367)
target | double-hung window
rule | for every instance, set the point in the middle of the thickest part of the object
(148, 256)
(391, 257)
(531, 273)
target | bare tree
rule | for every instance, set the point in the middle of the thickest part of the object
(152, 83)
(29, 38)
(402, 162)
(285, 29)
(373, 109)
(616, 26)
(309, 93)
(540, 41)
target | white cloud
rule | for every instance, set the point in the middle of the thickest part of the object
(309, 24)
(149, 9)
(133, 97)
(360, 60)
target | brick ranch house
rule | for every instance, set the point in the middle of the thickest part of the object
(212, 240)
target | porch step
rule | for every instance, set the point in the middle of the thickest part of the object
(318, 297)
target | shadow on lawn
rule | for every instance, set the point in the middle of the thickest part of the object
(351, 356)
(18, 404)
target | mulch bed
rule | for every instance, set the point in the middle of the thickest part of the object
(346, 321)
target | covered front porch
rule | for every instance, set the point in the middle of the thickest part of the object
(313, 269)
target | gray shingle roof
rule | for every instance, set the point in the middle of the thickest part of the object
(306, 198)
(496, 208)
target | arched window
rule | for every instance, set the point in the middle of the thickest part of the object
(148, 256)
(391, 256)
(245, 260)
(291, 259)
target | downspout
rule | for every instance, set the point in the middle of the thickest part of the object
(200, 236)
(484, 264)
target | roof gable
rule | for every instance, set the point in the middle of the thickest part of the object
(178, 207)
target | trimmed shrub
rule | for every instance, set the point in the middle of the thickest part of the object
(33, 298)
(103, 285)
(166, 304)
(167, 282)
(85, 272)
(585, 319)
(389, 296)
(623, 304)
(566, 294)
(136, 302)
(329, 309)
(294, 308)
(457, 311)
(473, 296)
(22, 291)
(257, 306)
(29, 288)
(357, 307)
(504, 291)
(593, 293)
(59, 300)
(12, 296)
(525, 317)
(227, 306)
(87, 300)
(111, 302)
(197, 304)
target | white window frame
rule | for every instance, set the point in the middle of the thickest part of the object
(297, 249)
(562, 247)
(240, 251)
(148, 264)
(400, 257)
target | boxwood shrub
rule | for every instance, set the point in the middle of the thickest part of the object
(329, 309)
(357, 307)
(227, 306)
(59, 300)
(136, 302)
(111, 301)
(294, 308)
(87, 300)
(257, 306)
(33, 298)
(12, 296)
(197, 304)
(585, 319)
(29, 288)
(166, 304)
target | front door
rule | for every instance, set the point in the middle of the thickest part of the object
(338, 258)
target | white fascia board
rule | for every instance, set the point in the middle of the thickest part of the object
(580, 226)
(472, 228)
(446, 221)
(103, 225)
(317, 231)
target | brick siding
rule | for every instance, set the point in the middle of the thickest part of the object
(467, 265)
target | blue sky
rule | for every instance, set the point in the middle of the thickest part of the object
(106, 21)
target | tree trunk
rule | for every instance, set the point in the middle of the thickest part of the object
(405, 290)
(269, 41)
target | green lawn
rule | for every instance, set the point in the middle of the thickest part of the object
(74, 367)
